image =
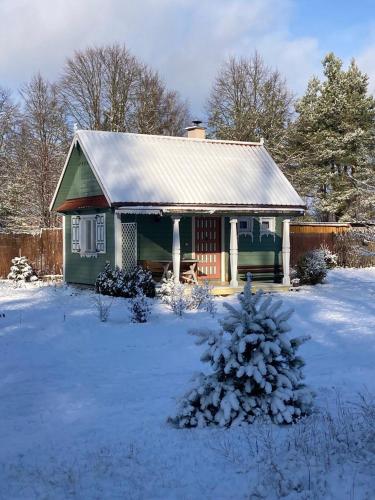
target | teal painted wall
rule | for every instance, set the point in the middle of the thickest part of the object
(78, 180)
(155, 236)
(84, 270)
(256, 252)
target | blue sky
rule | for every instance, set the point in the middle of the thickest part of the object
(342, 26)
(186, 40)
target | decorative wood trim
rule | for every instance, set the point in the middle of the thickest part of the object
(84, 202)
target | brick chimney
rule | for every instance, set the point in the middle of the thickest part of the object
(196, 131)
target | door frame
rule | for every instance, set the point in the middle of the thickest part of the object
(223, 273)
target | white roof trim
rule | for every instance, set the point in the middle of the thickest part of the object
(140, 211)
(151, 209)
(95, 172)
(62, 175)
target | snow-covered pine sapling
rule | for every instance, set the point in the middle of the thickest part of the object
(175, 295)
(140, 307)
(21, 270)
(166, 288)
(180, 300)
(103, 306)
(256, 371)
(203, 298)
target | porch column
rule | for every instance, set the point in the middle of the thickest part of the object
(233, 252)
(118, 240)
(286, 252)
(176, 255)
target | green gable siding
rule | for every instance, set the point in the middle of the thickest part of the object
(84, 270)
(78, 181)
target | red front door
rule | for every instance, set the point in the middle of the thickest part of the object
(208, 247)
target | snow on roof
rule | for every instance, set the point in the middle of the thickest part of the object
(137, 168)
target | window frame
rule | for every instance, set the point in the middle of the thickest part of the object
(249, 230)
(271, 231)
(97, 228)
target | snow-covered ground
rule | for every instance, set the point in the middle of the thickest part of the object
(83, 404)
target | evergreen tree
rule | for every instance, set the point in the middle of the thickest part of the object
(333, 142)
(21, 270)
(255, 369)
(249, 101)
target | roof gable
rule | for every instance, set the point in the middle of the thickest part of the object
(77, 181)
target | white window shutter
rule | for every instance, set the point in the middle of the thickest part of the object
(75, 234)
(100, 233)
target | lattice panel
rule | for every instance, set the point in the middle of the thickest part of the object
(129, 245)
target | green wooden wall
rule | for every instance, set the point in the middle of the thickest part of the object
(78, 180)
(155, 242)
(84, 270)
(155, 236)
(255, 251)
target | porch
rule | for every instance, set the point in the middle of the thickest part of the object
(224, 246)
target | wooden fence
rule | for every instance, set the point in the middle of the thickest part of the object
(305, 236)
(43, 250)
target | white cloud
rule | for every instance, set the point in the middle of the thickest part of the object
(366, 63)
(186, 41)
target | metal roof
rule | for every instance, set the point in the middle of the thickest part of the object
(137, 168)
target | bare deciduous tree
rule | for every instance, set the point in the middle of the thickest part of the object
(248, 101)
(9, 118)
(106, 88)
(42, 145)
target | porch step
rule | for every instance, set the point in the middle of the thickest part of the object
(257, 285)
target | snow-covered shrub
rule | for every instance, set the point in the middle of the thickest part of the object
(140, 307)
(181, 297)
(175, 295)
(312, 268)
(202, 298)
(139, 278)
(103, 306)
(330, 257)
(119, 283)
(166, 289)
(255, 369)
(21, 270)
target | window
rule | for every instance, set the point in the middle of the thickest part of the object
(88, 234)
(245, 226)
(266, 226)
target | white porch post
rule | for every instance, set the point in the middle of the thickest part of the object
(286, 252)
(233, 252)
(176, 253)
(118, 240)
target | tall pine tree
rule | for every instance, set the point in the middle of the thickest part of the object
(333, 140)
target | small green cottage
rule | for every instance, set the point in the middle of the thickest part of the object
(205, 209)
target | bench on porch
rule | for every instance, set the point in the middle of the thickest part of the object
(267, 273)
